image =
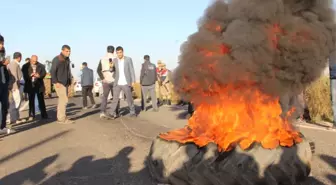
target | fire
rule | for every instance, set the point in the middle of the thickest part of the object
(240, 114)
(240, 118)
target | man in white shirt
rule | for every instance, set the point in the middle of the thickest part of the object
(124, 79)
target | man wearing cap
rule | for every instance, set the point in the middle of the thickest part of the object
(105, 72)
(165, 84)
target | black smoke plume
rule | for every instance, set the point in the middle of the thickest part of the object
(279, 46)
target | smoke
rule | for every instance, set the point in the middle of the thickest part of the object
(278, 46)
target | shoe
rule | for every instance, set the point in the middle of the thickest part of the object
(31, 118)
(168, 102)
(155, 110)
(7, 131)
(85, 108)
(66, 122)
(106, 116)
(94, 106)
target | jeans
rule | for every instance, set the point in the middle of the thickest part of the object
(144, 92)
(128, 93)
(107, 89)
(87, 91)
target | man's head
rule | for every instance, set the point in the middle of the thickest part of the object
(120, 52)
(17, 56)
(2, 42)
(33, 59)
(66, 50)
(84, 64)
(27, 60)
(146, 58)
(110, 49)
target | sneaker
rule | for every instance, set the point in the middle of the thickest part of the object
(85, 108)
(105, 116)
(94, 106)
(66, 122)
(155, 110)
(7, 131)
(133, 115)
(31, 118)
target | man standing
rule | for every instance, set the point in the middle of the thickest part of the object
(148, 77)
(332, 73)
(165, 84)
(124, 80)
(4, 82)
(105, 71)
(87, 85)
(16, 95)
(61, 79)
(34, 86)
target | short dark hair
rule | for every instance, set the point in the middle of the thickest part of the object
(27, 59)
(17, 55)
(84, 64)
(2, 39)
(66, 47)
(110, 49)
(119, 48)
(146, 57)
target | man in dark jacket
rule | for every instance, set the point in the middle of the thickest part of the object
(148, 77)
(87, 85)
(33, 75)
(332, 73)
(4, 82)
(61, 79)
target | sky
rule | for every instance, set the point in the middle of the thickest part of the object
(152, 27)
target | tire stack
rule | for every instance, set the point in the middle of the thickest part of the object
(187, 164)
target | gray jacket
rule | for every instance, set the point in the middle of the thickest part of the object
(15, 70)
(148, 74)
(87, 77)
(128, 70)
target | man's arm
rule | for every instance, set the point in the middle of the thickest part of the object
(132, 70)
(142, 73)
(19, 72)
(43, 72)
(53, 71)
(25, 72)
(91, 76)
(99, 71)
(156, 74)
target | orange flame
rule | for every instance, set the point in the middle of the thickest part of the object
(237, 118)
(238, 114)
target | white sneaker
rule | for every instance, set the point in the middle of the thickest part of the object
(6, 131)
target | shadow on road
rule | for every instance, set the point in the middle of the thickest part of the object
(85, 171)
(331, 161)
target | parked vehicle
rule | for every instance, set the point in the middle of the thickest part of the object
(78, 87)
(97, 88)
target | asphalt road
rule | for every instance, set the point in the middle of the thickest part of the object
(106, 152)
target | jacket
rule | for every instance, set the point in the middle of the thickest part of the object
(15, 71)
(87, 77)
(128, 71)
(148, 74)
(31, 86)
(104, 70)
(60, 70)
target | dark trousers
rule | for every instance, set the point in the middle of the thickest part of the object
(4, 105)
(128, 93)
(40, 99)
(87, 91)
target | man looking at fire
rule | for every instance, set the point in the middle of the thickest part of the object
(165, 84)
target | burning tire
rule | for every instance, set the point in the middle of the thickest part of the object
(187, 164)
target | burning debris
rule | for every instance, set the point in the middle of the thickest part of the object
(245, 56)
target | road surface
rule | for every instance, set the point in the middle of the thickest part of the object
(106, 152)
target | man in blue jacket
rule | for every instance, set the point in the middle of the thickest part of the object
(87, 85)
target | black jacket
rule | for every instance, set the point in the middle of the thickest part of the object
(148, 74)
(38, 84)
(60, 70)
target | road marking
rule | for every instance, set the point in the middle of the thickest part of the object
(316, 128)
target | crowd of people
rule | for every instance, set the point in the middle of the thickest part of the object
(115, 69)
